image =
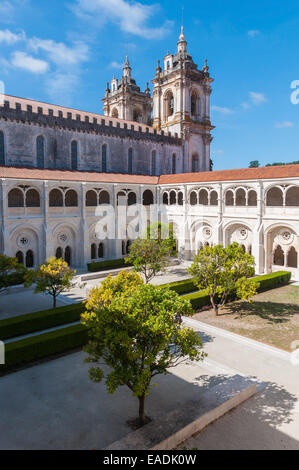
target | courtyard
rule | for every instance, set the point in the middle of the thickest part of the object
(271, 318)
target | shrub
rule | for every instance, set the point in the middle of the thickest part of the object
(29, 323)
(14, 279)
(37, 347)
(108, 264)
(182, 287)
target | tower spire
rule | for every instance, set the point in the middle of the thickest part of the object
(127, 69)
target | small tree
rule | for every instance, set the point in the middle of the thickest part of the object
(149, 257)
(53, 277)
(9, 267)
(136, 329)
(223, 271)
(254, 164)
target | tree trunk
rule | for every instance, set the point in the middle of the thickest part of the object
(215, 306)
(54, 301)
(142, 419)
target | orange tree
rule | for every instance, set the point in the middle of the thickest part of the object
(136, 329)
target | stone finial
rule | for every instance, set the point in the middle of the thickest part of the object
(205, 67)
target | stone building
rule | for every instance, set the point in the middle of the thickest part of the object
(82, 186)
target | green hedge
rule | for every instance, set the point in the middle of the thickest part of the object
(182, 287)
(13, 279)
(37, 347)
(105, 265)
(267, 281)
(29, 323)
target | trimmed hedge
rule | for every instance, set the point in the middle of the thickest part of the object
(37, 347)
(13, 279)
(181, 287)
(267, 281)
(29, 323)
(105, 265)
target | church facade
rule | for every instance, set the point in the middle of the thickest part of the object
(68, 177)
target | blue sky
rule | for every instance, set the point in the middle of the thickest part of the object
(64, 52)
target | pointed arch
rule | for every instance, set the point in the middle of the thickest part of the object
(74, 155)
(40, 151)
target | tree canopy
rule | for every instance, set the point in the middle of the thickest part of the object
(223, 271)
(136, 329)
(8, 266)
(53, 278)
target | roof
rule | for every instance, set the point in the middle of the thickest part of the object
(69, 175)
(269, 172)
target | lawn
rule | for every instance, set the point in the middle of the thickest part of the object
(272, 317)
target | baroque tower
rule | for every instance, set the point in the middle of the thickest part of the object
(124, 100)
(181, 104)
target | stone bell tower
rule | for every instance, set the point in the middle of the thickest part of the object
(124, 99)
(181, 104)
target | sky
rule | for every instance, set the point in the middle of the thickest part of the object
(64, 52)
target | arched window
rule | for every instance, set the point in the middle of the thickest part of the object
(180, 198)
(240, 197)
(32, 198)
(2, 149)
(292, 197)
(165, 198)
(55, 198)
(114, 113)
(278, 256)
(274, 197)
(229, 198)
(203, 197)
(16, 198)
(173, 169)
(71, 198)
(59, 253)
(130, 161)
(29, 259)
(40, 152)
(101, 250)
(68, 255)
(104, 198)
(292, 258)
(147, 198)
(93, 251)
(131, 199)
(137, 115)
(172, 198)
(91, 198)
(193, 103)
(252, 198)
(243, 248)
(74, 155)
(128, 244)
(153, 170)
(213, 198)
(195, 163)
(104, 158)
(169, 104)
(20, 257)
(193, 198)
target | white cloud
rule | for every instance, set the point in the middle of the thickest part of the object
(29, 63)
(245, 105)
(257, 98)
(116, 65)
(132, 17)
(218, 152)
(222, 110)
(252, 33)
(6, 11)
(60, 86)
(11, 38)
(60, 53)
(280, 125)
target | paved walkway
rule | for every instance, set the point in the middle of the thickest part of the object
(268, 421)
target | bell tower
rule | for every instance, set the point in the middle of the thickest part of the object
(181, 104)
(124, 99)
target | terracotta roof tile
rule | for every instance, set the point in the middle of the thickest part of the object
(269, 172)
(68, 175)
